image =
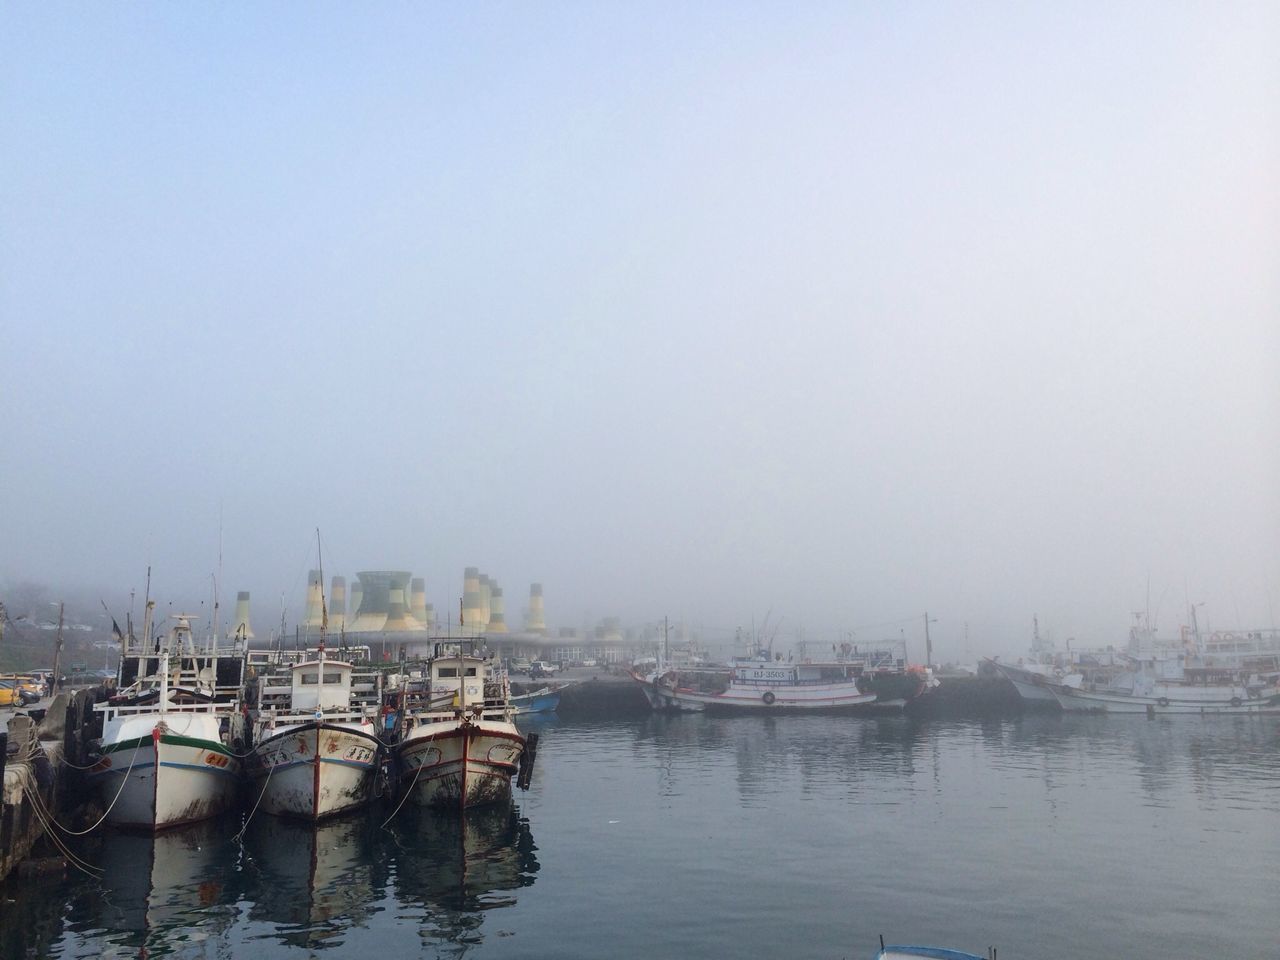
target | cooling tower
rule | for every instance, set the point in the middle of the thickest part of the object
(399, 619)
(376, 587)
(337, 603)
(497, 610)
(357, 593)
(472, 618)
(418, 601)
(315, 601)
(537, 621)
(241, 625)
(429, 613)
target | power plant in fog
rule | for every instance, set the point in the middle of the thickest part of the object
(389, 608)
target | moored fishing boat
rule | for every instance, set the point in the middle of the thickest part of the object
(1176, 689)
(759, 684)
(1031, 679)
(905, 952)
(169, 749)
(545, 700)
(317, 754)
(465, 753)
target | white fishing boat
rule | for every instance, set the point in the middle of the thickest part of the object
(905, 952)
(1031, 679)
(169, 749)
(1162, 676)
(1159, 688)
(759, 684)
(465, 753)
(316, 754)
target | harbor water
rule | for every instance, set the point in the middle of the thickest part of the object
(1066, 837)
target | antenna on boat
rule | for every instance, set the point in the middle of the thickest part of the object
(324, 612)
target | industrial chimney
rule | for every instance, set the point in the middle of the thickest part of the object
(315, 601)
(241, 626)
(486, 592)
(497, 610)
(471, 614)
(537, 622)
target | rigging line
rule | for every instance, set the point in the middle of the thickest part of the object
(417, 773)
(239, 837)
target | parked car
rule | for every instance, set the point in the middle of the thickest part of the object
(518, 665)
(9, 695)
(541, 668)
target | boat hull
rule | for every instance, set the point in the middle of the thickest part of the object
(845, 698)
(1172, 701)
(315, 770)
(166, 780)
(460, 763)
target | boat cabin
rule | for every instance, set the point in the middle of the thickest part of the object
(321, 685)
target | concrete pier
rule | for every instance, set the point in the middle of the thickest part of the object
(37, 783)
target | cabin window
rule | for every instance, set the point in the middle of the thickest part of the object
(333, 678)
(471, 671)
(308, 678)
(448, 671)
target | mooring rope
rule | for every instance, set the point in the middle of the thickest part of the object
(123, 781)
(46, 821)
(417, 773)
(239, 837)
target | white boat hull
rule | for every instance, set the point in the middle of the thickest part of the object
(816, 697)
(455, 764)
(315, 770)
(1170, 700)
(166, 779)
(1032, 685)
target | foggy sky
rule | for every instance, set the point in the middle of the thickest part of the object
(845, 312)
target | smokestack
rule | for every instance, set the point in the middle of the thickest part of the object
(471, 616)
(337, 603)
(497, 611)
(315, 601)
(486, 592)
(418, 600)
(241, 625)
(537, 621)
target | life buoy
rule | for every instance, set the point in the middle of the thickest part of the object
(1163, 702)
(768, 697)
(1235, 701)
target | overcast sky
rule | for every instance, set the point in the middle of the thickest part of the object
(842, 311)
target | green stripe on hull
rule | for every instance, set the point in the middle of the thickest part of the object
(172, 740)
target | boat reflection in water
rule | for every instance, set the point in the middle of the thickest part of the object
(313, 882)
(167, 892)
(455, 869)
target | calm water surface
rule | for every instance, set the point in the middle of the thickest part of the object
(794, 837)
